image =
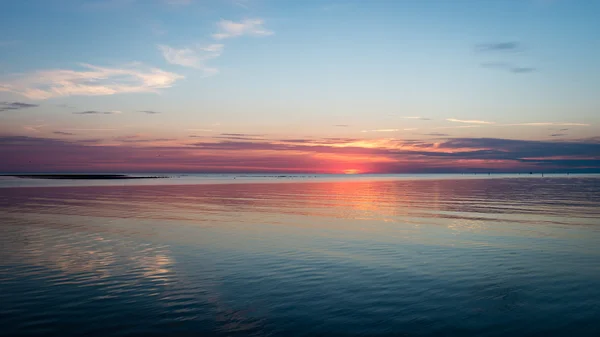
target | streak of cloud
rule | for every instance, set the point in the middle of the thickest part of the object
(381, 130)
(416, 117)
(200, 130)
(499, 47)
(193, 57)
(33, 128)
(547, 124)
(468, 121)
(251, 27)
(508, 67)
(10, 106)
(94, 112)
(90, 81)
(305, 155)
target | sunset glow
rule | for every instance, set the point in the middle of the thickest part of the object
(282, 86)
(351, 171)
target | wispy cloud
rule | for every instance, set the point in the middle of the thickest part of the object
(63, 133)
(91, 81)
(437, 134)
(150, 112)
(520, 70)
(499, 46)
(416, 117)
(467, 121)
(6, 106)
(33, 128)
(241, 3)
(151, 140)
(200, 130)
(89, 129)
(547, 124)
(193, 57)
(95, 112)
(381, 130)
(457, 127)
(242, 134)
(250, 27)
(558, 134)
(508, 67)
(342, 125)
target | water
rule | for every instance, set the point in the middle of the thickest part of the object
(350, 256)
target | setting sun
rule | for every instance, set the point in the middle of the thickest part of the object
(351, 171)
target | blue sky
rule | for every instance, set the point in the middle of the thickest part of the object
(519, 69)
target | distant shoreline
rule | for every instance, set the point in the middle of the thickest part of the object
(82, 176)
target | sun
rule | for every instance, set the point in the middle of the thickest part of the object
(351, 171)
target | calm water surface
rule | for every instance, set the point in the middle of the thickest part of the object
(469, 257)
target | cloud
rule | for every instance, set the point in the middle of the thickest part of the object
(87, 129)
(467, 121)
(33, 128)
(302, 155)
(437, 134)
(94, 112)
(240, 136)
(419, 118)
(193, 57)
(128, 140)
(241, 3)
(381, 130)
(6, 106)
(558, 134)
(547, 124)
(521, 150)
(342, 125)
(457, 127)
(508, 67)
(251, 27)
(65, 106)
(237, 138)
(63, 133)
(499, 46)
(90, 81)
(200, 130)
(520, 70)
(150, 112)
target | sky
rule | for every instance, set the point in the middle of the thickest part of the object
(328, 86)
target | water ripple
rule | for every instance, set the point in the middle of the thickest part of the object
(425, 257)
